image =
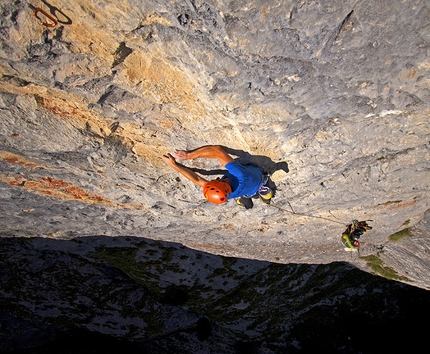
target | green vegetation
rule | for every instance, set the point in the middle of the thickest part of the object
(401, 234)
(378, 267)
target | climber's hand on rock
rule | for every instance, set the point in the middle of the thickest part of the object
(169, 160)
(181, 154)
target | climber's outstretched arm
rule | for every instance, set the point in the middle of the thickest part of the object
(210, 152)
(186, 172)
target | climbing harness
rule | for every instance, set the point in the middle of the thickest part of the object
(46, 19)
(263, 189)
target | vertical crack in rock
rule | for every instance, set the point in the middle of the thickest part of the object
(335, 34)
(343, 24)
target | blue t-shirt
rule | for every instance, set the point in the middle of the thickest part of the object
(245, 180)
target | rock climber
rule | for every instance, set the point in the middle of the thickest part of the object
(240, 182)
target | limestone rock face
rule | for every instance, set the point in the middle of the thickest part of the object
(330, 97)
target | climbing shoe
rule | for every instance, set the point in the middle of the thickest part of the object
(245, 202)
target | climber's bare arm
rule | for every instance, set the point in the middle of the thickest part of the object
(186, 172)
(210, 152)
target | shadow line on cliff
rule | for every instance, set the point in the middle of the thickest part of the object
(88, 268)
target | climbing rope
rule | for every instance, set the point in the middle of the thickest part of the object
(306, 215)
(349, 237)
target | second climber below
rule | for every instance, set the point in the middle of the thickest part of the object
(240, 182)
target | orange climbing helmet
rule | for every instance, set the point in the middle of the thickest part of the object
(217, 191)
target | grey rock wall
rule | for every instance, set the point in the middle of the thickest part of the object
(331, 97)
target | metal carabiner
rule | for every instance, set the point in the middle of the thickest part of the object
(38, 11)
(47, 24)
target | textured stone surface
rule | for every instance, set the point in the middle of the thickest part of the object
(337, 90)
(331, 97)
